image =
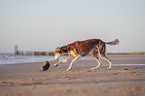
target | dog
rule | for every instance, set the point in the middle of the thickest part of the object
(80, 49)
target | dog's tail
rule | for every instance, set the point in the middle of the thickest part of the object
(115, 42)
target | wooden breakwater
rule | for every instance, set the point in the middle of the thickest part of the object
(17, 52)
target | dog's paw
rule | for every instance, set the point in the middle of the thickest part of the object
(69, 69)
(108, 68)
(93, 68)
(55, 65)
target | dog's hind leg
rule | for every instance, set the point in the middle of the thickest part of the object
(102, 49)
(95, 55)
(73, 61)
(107, 59)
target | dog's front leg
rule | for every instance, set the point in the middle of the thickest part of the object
(73, 61)
(65, 60)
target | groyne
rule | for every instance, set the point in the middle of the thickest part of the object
(18, 52)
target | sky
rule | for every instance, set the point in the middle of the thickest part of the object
(43, 25)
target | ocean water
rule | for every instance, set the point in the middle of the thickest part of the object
(15, 59)
(6, 58)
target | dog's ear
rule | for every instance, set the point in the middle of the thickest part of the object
(58, 48)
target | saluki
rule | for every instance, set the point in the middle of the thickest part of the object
(80, 49)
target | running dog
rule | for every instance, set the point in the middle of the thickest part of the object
(80, 49)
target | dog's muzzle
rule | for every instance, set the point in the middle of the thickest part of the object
(57, 56)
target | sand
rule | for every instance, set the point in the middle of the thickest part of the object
(27, 79)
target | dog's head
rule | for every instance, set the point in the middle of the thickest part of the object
(59, 51)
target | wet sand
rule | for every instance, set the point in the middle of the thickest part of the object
(27, 80)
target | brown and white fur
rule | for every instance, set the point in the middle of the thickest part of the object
(80, 49)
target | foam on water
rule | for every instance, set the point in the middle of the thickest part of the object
(13, 59)
(18, 59)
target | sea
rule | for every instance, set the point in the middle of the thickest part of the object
(9, 58)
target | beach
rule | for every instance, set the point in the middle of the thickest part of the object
(126, 78)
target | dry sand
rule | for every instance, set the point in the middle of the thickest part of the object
(27, 80)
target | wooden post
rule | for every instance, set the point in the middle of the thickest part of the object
(16, 50)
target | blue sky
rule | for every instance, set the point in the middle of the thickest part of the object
(43, 25)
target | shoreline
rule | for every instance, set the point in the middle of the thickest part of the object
(50, 59)
(116, 59)
(27, 80)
